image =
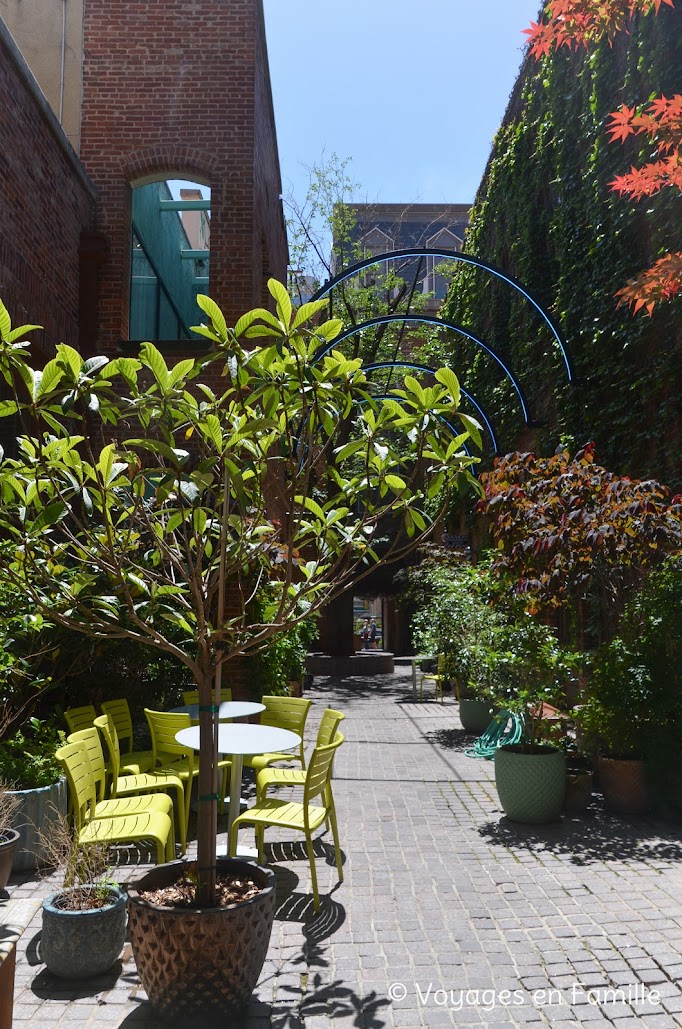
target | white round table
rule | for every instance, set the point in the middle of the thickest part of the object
(228, 709)
(235, 741)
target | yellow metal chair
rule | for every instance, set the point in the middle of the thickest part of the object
(132, 761)
(304, 817)
(329, 724)
(437, 678)
(116, 806)
(131, 828)
(80, 717)
(192, 696)
(284, 713)
(158, 780)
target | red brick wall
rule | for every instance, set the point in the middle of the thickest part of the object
(46, 202)
(172, 89)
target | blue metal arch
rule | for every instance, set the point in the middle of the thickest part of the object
(455, 255)
(387, 319)
(432, 371)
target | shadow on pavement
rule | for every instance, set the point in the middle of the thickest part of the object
(597, 836)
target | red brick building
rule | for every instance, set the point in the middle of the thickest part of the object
(169, 91)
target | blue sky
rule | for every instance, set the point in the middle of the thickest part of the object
(412, 91)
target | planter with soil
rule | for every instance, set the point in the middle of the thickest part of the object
(83, 930)
(201, 962)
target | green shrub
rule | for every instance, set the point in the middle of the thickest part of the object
(27, 759)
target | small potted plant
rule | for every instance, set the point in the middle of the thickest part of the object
(35, 780)
(84, 922)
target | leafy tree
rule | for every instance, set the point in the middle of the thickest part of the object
(153, 504)
(324, 239)
(574, 22)
(568, 531)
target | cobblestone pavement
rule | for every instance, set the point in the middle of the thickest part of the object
(448, 915)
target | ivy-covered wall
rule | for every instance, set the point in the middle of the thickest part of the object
(545, 214)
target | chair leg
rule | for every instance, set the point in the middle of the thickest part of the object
(313, 870)
(260, 842)
(335, 835)
(232, 850)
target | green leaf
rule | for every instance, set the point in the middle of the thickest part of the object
(180, 370)
(5, 322)
(450, 381)
(48, 516)
(283, 300)
(153, 359)
(472, 427)
(8, 407)
(310, 505)
(329, 330)
(210, 428)
(307, 311)
(70, 359)
(106, 462)
(21, 330)
(217, 317)
(93, 364)
(395, 482)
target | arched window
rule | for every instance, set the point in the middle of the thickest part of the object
(435, 283)
(171, 230)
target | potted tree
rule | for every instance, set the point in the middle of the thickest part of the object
(531, 776)
(632, 715)
(232, 469)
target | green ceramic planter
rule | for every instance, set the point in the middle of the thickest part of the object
(475, 715)
(531, 786)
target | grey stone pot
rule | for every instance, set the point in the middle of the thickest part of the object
(39, 810)
(80, 944)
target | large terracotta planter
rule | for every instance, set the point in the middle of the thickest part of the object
(81, 944)
(39, 810)
(201, 963)
(531, 786)
(624, 785)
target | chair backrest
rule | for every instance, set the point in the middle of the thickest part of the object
(163, 726)
(286, 713)
(192, 696)
(80, 717)
(320, 769)
(120, 712)
(90, 739)
(106, 726)
(329, 723)
(73, 758)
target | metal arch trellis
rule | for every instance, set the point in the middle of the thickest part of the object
(387, 319)
(453, 255)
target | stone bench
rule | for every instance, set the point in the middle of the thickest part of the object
(15, 916)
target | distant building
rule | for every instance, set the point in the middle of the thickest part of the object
(381, 228)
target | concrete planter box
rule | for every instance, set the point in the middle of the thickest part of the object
(39, 810)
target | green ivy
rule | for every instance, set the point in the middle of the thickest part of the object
(544, 213)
